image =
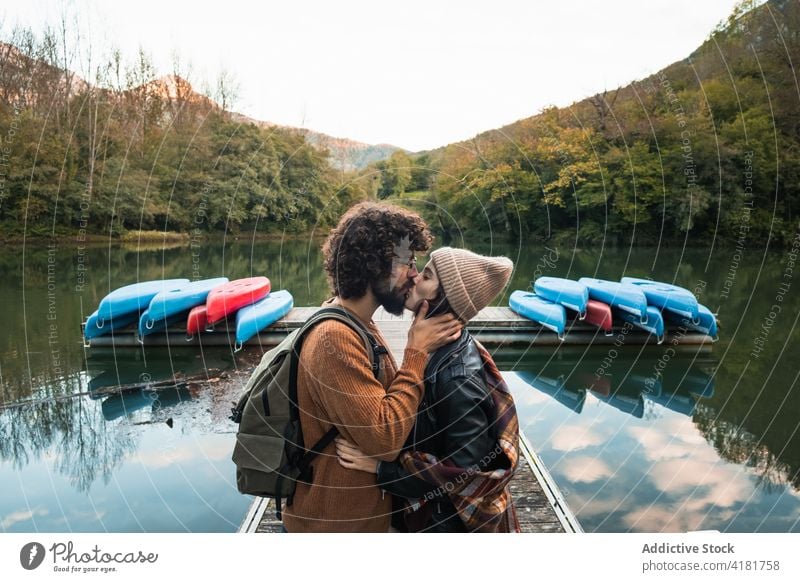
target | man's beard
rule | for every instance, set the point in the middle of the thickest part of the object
(392, 300)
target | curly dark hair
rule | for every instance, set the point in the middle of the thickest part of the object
(360, 249)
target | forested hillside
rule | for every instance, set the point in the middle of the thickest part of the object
(134, 151)
(707, 149)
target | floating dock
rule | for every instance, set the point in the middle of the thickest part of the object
(493, 327)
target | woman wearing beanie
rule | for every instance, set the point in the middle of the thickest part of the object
(453, 473)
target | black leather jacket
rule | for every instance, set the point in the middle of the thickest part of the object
(455, 421)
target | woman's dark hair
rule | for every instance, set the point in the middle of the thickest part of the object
(439, 304)
(360, 249)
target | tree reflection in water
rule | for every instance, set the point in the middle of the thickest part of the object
(80, 430)
(640, 384)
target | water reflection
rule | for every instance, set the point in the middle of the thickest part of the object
(153, 379)
(107, 368)
(626, 382)
(555, 388)
(643, 440)
(67, 432)
(128, 402)
(98, 439)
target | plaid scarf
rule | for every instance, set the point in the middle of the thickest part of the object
(481, 498)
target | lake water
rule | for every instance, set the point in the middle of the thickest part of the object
(638, 439)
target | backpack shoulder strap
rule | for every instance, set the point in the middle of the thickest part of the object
(374, 349)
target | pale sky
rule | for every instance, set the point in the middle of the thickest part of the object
(415, 74)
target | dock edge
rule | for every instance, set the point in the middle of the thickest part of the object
(568, 520)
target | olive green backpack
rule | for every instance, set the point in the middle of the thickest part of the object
(269, 454)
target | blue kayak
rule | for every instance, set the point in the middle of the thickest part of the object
(169, 302)
(555, 388)
(126, 403)
(568, 293)
(640, 281)
(706, 322)
(632, 383)
(654, 322)
(252, 319)
(627, 298)
(135, 298)
(624, 402)
(551, 315)
(148, 325)
(95, 327)
(677, 402)
(665, 296)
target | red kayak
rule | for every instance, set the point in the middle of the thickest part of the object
(197, 320)
(601, 385)
(231, 297)
(599, 314)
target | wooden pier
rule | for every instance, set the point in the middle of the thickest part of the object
(540, 506)
(493, 327)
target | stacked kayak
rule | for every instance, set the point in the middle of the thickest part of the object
(121, 307)
(653, 322)
(95, 326)
(679, 305)
(227, 300)
(666, 297)
(623, 297)
(651, 306)
(178, 304)
(170, 307)
(706, 321)
(570, 294)
(555, 299)
(134, 298)
(599, 314)
(231, 297)
(551, 315)
(252, 319)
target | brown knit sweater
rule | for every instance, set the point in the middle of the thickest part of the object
(336, 386)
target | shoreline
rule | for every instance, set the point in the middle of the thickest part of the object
(172, 239)
(176, 239)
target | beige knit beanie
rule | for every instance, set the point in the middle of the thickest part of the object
(470, 281)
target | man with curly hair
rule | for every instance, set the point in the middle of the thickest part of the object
(370, 262)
